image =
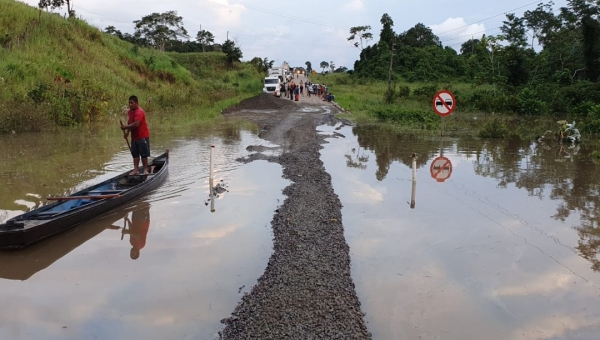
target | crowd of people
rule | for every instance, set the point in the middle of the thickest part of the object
(306, 89)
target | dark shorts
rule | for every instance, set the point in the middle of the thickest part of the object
(140, 148)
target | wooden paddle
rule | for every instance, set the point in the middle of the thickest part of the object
(125, 135)
(94, 197)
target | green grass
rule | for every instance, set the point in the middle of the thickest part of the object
(365, 99)
(59, 72)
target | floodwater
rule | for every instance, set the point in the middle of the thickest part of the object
(173, 272)
(502, 244)
(503, 241)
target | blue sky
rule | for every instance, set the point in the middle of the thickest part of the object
(309, 30)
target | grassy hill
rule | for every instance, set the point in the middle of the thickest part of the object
(64, 72)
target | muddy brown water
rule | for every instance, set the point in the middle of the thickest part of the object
(193, 265)
(506, 247)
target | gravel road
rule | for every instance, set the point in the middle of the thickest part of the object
(306, 291)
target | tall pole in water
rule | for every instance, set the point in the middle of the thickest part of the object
(212, 149)
(414, 181)
(211, 181)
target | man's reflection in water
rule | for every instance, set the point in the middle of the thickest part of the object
(138, 229)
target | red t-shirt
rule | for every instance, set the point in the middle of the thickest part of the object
(141, 131)
(138, 233)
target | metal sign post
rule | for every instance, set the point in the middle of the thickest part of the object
(444, 104)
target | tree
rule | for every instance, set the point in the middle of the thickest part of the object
(358, 34)
(112, 30)
(233, 53)
(324, 65)
(268, 64)
(514, 30)
(541, 22)
(332, 66)
(493, 46)
(419, 36)
(158, 28)
(591, 47)
(204, 37)
(341, 69)
(387, 34)
(53, 4)
(308, 67)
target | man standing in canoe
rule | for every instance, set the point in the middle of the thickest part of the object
(140, 135)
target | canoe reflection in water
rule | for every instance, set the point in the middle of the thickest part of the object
(137, 227)
(22, 264)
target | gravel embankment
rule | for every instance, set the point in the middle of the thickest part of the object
(306, 291)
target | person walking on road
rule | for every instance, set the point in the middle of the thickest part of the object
(140, 135)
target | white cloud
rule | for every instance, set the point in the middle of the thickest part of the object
(455, 31)
(354, 6)
(226, 13)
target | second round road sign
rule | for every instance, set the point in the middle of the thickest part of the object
(441, 169)
(444, 103)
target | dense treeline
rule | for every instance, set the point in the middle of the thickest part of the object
(547, 61)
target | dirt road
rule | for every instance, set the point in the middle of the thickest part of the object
(306, 291)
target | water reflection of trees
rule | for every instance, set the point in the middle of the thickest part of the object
(389, 146)
(544, 170)
(357, 159)
(566, 172)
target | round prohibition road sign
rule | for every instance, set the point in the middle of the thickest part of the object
(444, 103)
(441, 169)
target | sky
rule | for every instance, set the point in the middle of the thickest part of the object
(309, 30)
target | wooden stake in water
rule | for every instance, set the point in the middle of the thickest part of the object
(211, 180)
(212, 195)
(414, 182)
(212, 149)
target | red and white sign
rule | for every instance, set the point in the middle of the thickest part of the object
(444, 103)
(441, 169)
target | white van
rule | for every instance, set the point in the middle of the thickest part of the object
(272, 85)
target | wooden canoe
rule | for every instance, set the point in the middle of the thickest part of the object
(62, 215)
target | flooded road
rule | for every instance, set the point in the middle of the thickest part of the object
(174, 271)
(502, 244)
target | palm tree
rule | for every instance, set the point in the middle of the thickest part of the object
(205, 38)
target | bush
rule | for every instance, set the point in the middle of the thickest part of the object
(418, 118)
(530, 104)
(569, 97)
(494, 129)
(488, 101)
(592, 124)
(403, 92)
(389, 96)
(39, 93)
(427, 91)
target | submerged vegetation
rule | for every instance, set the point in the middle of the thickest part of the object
(64, 72)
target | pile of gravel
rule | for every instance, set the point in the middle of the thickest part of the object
(263, 101)
(306, 291)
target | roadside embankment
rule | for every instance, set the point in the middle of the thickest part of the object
(64, 72)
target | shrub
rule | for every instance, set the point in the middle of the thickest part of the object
(39, 93)
(389, 96)
(403, 92)
(494, 129)
(592, 124)
(417, 118)
(427, 91)
(530, 104)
